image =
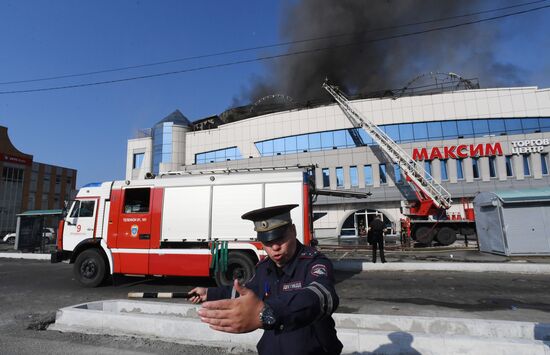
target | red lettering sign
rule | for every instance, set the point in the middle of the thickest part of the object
(422, 155)
(449, 152)
(461, 151)
(476, 150)
(436, 153)
(490, 150)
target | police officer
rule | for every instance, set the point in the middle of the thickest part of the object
(377, 231)
(291, 296)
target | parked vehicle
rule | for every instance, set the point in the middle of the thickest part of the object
(179, 225)
(9, 238)
(48, 236)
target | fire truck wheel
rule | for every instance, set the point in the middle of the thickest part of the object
(239, 266)
(424, 234)
(446, 236)
(89, 268)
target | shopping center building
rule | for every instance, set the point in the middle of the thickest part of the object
(469, 140)
(29, 185)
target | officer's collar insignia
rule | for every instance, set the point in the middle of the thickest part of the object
(319, 270)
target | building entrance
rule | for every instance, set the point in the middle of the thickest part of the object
(357, 224)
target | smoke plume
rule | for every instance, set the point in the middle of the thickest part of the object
(368, 65)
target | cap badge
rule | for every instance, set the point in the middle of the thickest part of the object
(264, 224)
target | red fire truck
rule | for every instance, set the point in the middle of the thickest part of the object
(178, 224)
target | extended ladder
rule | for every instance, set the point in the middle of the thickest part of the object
(423, 181)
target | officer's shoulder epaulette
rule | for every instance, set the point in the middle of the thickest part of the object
(309, 253)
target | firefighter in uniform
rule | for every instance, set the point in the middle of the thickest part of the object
(291, 296)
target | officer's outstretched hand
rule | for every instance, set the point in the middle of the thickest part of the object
(238, 315)
(200, 294)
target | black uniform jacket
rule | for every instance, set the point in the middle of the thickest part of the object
(303, 298)
(377, 230)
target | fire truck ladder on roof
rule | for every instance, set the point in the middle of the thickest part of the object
(413, 170)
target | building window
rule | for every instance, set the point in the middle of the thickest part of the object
(383, 174)
(434, 130)
(397, 172)
(392, 131)
(465, 128)
(509, 166)
(34, 183)
(443, 166)
(12, 174)
(339, 177)
(406, 132)
(31, 206)
(526, 166)
(544, 163)
(138, 160)
(44, 204)
(162, 144)
(420, 131)
(314, 141)
(11, 197)
(481, 127)
(459, 169)
(46, 182)
(231, 153)
(401, 133)
(326, 177)
(475, 168)
(449, 129)
(493, 167)
(367, 169)
(354, 178)
(428, 169)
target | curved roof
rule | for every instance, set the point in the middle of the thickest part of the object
(6, 146)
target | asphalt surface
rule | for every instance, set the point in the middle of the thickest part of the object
(31, 292)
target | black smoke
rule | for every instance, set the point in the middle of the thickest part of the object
(369, 66)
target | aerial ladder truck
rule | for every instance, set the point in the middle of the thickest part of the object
(426, 219)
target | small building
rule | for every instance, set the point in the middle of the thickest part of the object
(514, 222)
(29, 185)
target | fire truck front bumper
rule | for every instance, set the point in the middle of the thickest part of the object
(58, 256)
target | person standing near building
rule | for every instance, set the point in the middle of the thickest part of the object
(291, 296)
(376, 229)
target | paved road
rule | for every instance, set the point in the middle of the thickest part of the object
(31, 292)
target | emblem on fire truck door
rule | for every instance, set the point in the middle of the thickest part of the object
(134, 230)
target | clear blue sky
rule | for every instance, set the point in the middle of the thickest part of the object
(88, 128)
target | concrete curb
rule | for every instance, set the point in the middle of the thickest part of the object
(30, 256)
(358, 332)
(511, 267)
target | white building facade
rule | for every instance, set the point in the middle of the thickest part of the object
(470, 141)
